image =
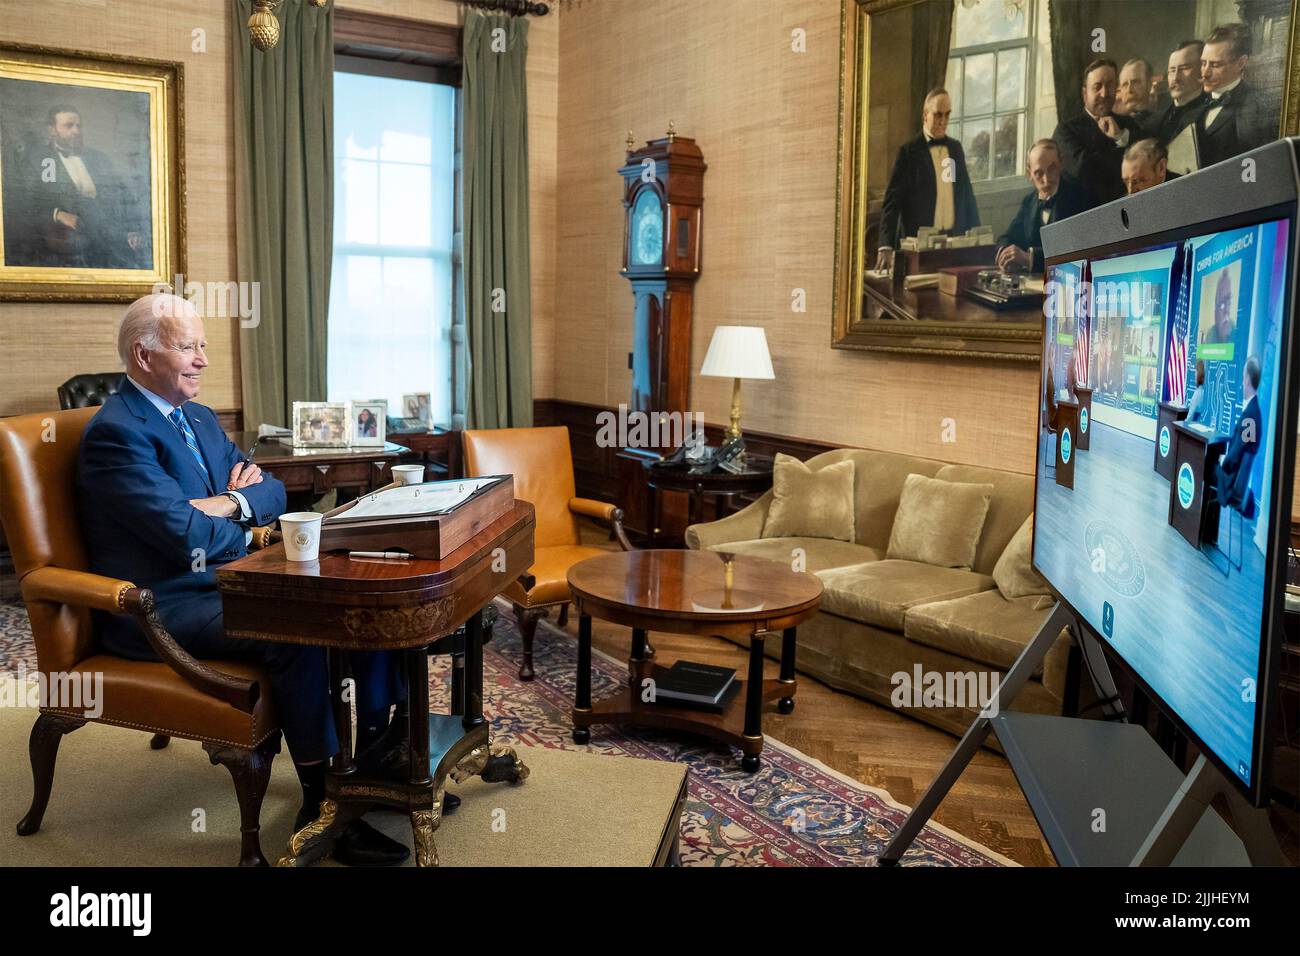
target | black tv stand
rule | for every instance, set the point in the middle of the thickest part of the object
(1102, 791)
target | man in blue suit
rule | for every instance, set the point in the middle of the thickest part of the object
(1232, 474)
(165, 499)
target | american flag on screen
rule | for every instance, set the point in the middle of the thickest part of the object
(1176, 367)
(1176, 350)
(1081, 350)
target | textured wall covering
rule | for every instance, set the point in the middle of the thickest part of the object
(42, 345)
(766, 119)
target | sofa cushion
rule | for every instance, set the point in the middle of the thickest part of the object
(880, 592)
(983, 627)
(806, 503)
(1012, 502)
(1014, 573)
(818, 553)
(939, 522)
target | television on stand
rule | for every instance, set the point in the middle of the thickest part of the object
(1169, 542)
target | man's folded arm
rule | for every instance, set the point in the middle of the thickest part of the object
(266, 499)
(120, 471)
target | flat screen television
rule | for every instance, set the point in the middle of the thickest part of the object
(1166, 441)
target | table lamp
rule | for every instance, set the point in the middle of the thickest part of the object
(736, 352)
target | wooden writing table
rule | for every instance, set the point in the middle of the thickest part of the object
(344, 605)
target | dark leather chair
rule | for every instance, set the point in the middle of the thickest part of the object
(542, 465)
(90, 389)
(223, 704)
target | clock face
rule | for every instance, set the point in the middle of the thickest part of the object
(647, 230)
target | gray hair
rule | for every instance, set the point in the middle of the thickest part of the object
(1045, 143)
(1137, 60)
(143, 320)
(1148, 150)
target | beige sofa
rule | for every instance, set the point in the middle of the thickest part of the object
(880, 617)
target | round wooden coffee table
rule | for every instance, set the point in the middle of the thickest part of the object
(691, 592)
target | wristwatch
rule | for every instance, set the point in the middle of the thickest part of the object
(239, 508)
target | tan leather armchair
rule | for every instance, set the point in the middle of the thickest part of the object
(542, 465)
(217, 702)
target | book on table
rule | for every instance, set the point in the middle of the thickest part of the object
(688, 684)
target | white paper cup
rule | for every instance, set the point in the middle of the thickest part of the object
(301, 533)
(408, 474)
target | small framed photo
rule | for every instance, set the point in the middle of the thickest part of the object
(322, 424)
(369, 421)
(419, 405)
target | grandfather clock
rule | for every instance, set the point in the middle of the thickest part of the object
(663, 193)
(663, 185)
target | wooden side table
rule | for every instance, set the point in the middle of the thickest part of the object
(755, 479)
(317, 471)
(691, 592)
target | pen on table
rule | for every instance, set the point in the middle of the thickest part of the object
(399, 555)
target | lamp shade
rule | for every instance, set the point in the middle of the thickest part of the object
(738, 351)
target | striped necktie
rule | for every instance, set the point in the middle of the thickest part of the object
(183, 426)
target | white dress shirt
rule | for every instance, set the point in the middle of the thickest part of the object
(1216, 107)
(79, 174)
(945, 209)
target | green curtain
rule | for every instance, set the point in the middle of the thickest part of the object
(284, 205)
(495, 157)
(931, 33)
(1070, 26)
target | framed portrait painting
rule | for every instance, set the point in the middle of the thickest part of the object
(91, 175)
(967, 126)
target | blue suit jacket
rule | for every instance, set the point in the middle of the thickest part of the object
(135, 479)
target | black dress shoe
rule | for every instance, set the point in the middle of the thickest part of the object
(449, 803)
(360, 844)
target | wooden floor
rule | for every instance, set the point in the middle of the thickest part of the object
(877, 746)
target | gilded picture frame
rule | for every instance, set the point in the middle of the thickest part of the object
(92, 175)
(876, 315)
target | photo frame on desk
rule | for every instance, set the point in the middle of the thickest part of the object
(369, 423)
(322, 424)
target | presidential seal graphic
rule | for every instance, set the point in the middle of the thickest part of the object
(1066, 446)
(302, 539)
(1114, 558)
(1164, 442)
(1083, 421)
(1186, 485)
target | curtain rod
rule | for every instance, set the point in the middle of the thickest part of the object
(516, 8)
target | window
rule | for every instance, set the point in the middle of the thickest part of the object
(989, 83)
(394, 206)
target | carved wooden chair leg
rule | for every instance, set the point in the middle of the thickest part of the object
(159, 741)
(251, 771)
(528, 618)
(563, 619)
(43, 748)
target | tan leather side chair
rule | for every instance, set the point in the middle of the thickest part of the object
(542, 464)
(220, 703)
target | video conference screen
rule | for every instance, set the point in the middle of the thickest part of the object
(1155, 451)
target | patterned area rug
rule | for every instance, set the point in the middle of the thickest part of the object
(794, 811)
